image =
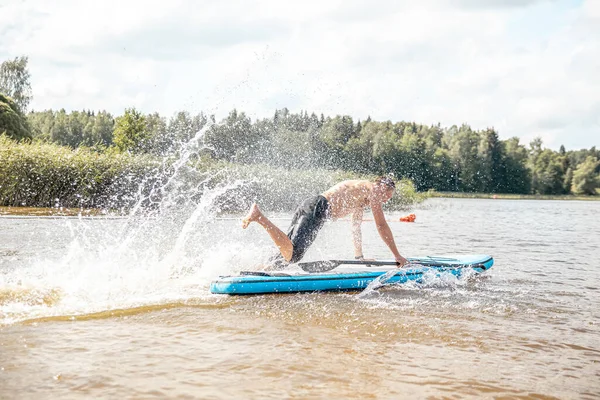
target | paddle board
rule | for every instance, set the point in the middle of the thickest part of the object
(346, 277)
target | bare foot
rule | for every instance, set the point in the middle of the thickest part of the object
(253, 215)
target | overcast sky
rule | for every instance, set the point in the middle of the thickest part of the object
(526, 67)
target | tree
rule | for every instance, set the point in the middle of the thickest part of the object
(291, 149)
(548, 172)
(41, 124)
(12, 121)
(130, 132)
(414, 162)
(14, 81)
(386, 148)
(76, 124)
(463, 147)
(234, 139)
(568, 181)
(359, 149)
(60, 132)
(585, 178)
(181, 127)
(335, 134)
(102, 131)
(161, 141)
(490, 156)
(516, 178)
(443, 174)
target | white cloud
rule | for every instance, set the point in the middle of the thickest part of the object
(527, 68)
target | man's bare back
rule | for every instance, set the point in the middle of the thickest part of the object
(345, 198)
(348, 196)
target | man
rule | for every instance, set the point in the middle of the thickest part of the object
(346, 198)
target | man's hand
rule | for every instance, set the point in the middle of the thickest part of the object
(401, 261)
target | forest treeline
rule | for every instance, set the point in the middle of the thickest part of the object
(456, 158)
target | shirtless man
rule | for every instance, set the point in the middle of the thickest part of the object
(346, 198)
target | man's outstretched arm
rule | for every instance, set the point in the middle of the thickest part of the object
(386, 233)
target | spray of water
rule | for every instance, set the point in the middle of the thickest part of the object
(431, 278)
(167, 248)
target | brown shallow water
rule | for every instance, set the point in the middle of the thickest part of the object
(113, 309)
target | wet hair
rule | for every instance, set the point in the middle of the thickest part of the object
(385, 180)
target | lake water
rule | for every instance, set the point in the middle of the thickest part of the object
(120, 308)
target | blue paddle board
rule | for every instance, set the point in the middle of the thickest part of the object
(347, 277)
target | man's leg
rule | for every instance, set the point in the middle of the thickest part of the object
(283, 243)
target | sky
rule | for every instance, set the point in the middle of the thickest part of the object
(528, 68)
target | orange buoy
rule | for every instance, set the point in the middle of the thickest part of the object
(408, 218)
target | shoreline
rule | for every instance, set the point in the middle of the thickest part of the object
(94, 212)
(504, 196)
(51, 212)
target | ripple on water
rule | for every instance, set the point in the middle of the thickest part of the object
(525, 329)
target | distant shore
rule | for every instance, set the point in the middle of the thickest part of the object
(73, 212)
(50, 212)
(502, 196)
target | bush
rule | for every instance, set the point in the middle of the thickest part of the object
(48, 175)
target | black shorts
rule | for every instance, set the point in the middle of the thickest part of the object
(306, 223)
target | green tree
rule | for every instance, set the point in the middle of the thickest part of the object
(444, 176)
(491, 161)
(131, 133)
(60, 132)
(102, 130)
(463, 147)
(548, 172)
(292, 149)
(413, 160)
(234, 139)
(161, 141)
(433, 136)
(87, 137)
(386, 152)
(14, 81)
(585, 178)
(335, 134)
(41, 124)
(360, 149)
(568, 181)
(578, 156)
(516, 177)
(183, 127)
(76, 124)
(535, 149)
(12, 122)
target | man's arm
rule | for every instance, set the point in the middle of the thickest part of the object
(356, 232)
(385, 232)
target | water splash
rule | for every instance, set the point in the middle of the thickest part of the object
(430, 279)
(166, 249)
(383, 280)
